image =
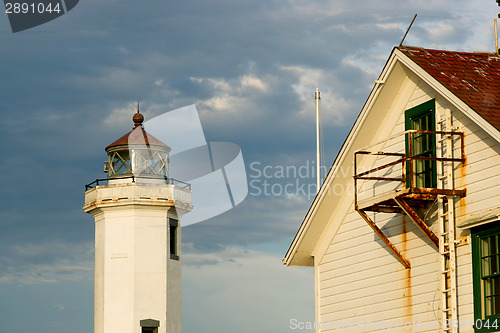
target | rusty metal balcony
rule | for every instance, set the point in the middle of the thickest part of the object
(391, 184)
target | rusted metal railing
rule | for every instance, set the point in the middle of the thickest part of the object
(171, 181)
(403, 159)
(399, 201)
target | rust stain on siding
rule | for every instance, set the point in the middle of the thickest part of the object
(461, 206)
(403, 223)
(407, 296)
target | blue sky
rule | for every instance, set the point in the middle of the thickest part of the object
(68, 88)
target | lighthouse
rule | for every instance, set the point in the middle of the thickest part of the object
(137, 211)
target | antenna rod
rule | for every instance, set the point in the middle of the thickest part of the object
(408, 30)
(496, 36)
(317, 98)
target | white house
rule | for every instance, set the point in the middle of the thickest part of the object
(404, 233)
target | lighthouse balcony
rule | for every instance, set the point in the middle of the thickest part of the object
(138, 190)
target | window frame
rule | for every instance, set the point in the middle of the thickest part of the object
(477, 234)
(425, 109)
(149, 325)
(173, 243)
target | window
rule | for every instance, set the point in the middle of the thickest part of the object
(137, 161)
(486, 277)
(149, 325)
(421, 117)
(173, 225)
(149, 330)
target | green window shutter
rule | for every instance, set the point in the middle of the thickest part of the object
(486, 277)
(422, 117)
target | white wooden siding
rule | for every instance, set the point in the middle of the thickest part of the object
(360, 279)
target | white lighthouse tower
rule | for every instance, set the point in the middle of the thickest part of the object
(137, 237)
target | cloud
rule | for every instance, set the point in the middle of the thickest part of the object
(232, 97)
(334, 106)
(47, 262)
(257, 220)
(71, 86)
(223, 254)
(246, 294)
(121, 116)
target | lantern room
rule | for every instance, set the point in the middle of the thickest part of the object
(137, 153)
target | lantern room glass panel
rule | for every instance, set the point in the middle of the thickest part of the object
(137, 162)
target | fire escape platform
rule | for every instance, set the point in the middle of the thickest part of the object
(407, 195)
(416, 197)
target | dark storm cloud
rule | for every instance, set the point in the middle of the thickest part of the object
(66, 77)
(68, 89)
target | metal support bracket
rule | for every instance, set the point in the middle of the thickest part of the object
(418, 221)
(384, 238)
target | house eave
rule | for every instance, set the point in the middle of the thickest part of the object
(296, 255)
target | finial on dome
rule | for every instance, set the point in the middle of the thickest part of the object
(138, 118)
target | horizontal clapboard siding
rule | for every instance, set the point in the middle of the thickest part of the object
(360, 279)
(481, 173)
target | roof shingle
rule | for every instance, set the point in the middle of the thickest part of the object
(472, 77)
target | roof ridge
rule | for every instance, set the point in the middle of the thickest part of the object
(410, 48)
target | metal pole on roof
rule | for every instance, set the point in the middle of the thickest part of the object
(318, 174)
(408, 30)
(496, 36)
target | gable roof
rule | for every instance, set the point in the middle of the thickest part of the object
(472, 77)
(470, 81)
